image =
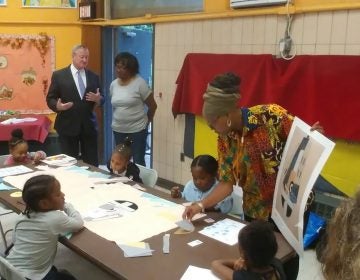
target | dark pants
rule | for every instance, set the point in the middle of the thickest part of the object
(86, 144)
(138, 146)
(55, 274)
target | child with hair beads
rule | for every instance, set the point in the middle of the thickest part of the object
(257, 247)
(121, 164)
(204, 172)
(37, 230)
(18, 149)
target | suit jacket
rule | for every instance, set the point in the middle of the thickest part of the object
(80, 115)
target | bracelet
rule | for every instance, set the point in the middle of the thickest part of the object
(201, 205)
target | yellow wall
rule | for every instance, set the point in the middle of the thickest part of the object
(341, 169)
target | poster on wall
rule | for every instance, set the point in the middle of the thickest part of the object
(305, 154)
(49, 3)
(26, 66)
(2, 2)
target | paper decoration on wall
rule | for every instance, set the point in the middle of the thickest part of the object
(50, 3)
(3, 62)
(28, 76)
(26, 66)
(5, 93)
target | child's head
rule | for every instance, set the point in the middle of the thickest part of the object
(42, 193)
(257, 244)
(341, 256)
(121, 156)
(204, 171)
(18, 147)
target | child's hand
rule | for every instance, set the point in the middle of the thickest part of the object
(37, 157)
(175, 192)
(239, 264)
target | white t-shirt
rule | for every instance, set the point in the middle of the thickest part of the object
(36, 238)
(129, 113)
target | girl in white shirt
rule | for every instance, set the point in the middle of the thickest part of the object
(37, 230)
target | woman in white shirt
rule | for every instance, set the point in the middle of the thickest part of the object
(133, 105)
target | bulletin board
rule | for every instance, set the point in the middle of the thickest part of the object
(26, 66)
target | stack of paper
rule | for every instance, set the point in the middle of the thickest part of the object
(136, 249)
(60, 160)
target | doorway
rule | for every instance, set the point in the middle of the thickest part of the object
(138, 40)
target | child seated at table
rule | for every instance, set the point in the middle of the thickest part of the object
(19, 150)
(204, 170)
(257, 247)
(36, 231)
(120, 163)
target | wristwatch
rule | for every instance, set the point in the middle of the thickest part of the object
(201, 205)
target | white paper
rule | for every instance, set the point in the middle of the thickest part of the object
(141, 249)
(225, 231)
(14, 170)
(304, 156)
(185, 225)
(195, 243)
(80, 191)
(194, 272)
(60, 160)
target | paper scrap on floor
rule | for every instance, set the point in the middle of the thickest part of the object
(225, 231)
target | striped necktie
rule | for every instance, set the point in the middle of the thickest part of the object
(81, 84)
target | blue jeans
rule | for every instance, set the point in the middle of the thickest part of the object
(138, 146)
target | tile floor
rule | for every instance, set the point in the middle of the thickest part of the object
(84, 270)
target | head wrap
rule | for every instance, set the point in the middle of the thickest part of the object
(218, 103)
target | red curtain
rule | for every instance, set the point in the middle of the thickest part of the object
(312, 87)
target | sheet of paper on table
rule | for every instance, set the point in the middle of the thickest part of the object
(14, 170)
(225, 231)
(136, 249)
(194, 272)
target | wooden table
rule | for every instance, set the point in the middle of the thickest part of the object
(108, 256)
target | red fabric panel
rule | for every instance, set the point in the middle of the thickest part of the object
(37, 130)
(321, 87)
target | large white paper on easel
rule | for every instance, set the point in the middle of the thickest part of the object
(153, 216)
(304, 156)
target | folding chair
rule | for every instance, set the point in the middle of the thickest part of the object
(8, 271)
(149, 176)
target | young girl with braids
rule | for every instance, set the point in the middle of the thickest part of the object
(120, 163)
(18, 149)
(36, 232)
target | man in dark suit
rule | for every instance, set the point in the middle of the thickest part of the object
(74, 92)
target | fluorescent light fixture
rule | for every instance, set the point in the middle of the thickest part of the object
(235, 4)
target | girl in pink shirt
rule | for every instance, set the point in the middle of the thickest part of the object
(18, 149)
